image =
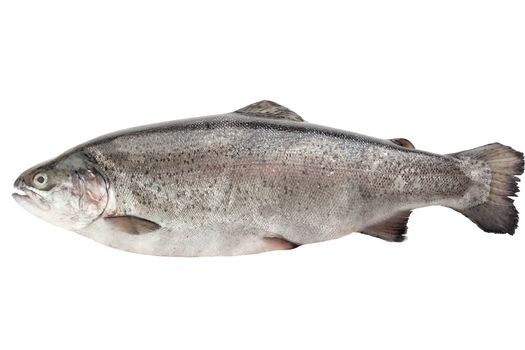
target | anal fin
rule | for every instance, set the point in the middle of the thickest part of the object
(278, 243)
(392, 229)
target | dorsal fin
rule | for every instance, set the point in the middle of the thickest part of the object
(269, 109)
(403, 143)
(392, 229)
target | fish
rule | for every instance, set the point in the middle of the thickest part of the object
(260, 179)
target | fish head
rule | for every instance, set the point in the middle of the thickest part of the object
(68, 191)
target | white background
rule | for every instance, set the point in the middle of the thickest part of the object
(448, 75)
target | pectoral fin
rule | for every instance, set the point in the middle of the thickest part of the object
(131, 224)
(392, 229)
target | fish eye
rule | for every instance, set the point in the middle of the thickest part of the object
(40, 180)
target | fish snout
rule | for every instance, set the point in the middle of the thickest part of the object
(23, 191)
(19, 182)
(20, 186)
(24, 180)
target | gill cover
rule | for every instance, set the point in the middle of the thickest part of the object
(90, 187)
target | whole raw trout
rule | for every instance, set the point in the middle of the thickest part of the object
(260, 179)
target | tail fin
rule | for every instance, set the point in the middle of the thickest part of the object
(497, 214)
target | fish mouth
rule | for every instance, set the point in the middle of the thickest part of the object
(20, 193)
(24, 195)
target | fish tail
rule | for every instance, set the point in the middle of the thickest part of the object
(493, 173)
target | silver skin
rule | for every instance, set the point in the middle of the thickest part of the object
(237, 184)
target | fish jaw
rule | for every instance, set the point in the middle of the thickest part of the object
(32, 202)
(28, 199)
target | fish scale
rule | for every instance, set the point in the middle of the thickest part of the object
(261, 166)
